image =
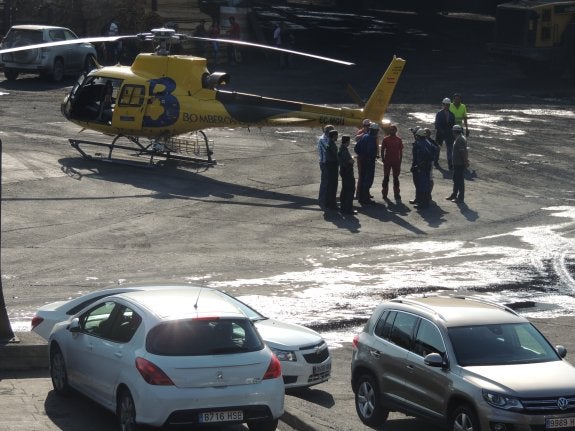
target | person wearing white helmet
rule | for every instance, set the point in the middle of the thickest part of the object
(444, 122)
(366, 150)
(460, 162)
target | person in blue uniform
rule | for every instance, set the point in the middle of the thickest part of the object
(366, 150)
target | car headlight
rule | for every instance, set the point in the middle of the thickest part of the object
(502, 401)
(284, 355)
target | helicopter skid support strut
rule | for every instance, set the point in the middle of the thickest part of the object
(137, 149)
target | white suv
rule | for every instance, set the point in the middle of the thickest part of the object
(51, 62)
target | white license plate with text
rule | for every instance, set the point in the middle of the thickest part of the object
(225, 416)
(558, 423)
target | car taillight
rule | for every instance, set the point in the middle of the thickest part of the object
(36, 320)
(274, 370)
(152, 374)
(355, 342)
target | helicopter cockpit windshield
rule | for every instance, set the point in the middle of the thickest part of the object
(93, 99)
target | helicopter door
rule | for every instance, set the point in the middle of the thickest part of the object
(130, 109)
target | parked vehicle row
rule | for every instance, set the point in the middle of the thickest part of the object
(460, 362)
(167, 355)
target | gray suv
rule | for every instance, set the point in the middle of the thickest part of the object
(51, 62)
(462, 362)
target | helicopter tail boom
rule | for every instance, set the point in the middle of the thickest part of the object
(379, 100)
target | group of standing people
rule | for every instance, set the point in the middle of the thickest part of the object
(451, 128)
(331, 162)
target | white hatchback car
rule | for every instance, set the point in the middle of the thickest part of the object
(304, 354)
(169, 357)
(51, 62)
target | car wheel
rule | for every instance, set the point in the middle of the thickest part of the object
(58, 371)
(58, 71)
(127, 411)
(464, 419)
(269, 425)
(368, 402)
(10, 74)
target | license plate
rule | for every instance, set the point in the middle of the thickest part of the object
(225, 416)
(322, 368)
(558, 423)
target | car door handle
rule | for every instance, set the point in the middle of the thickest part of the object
(118, 354)
(375, 353)
(90, 346)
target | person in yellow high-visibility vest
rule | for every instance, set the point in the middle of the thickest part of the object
(459, 111)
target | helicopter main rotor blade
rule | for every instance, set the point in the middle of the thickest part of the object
(66, 42)
(272, 48)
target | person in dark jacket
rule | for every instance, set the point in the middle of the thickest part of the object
(366, 150)
(423, 156)
(346, 163)
(331, 167)
(444, 122)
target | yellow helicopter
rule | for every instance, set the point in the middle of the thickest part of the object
(170, 99)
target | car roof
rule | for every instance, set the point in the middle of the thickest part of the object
(457, 310)
(183, 302)
(36, 27)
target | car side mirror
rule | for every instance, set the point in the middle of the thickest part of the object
(435, 360)
(561, 351)
(74, 326)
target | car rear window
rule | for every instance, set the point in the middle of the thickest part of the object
(199, 337)
(20, 37)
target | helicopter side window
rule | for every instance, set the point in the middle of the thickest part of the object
(132, 95)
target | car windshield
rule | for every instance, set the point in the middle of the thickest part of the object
(198, 337)
(499, 344)
(252, 314)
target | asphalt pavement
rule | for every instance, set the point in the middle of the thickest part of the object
(27, 401)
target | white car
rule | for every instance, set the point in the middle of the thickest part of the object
(304, 354)
(51, 62)
(169, 357)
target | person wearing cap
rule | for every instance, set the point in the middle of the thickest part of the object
(366, 150)
(331, 167)
(322, 144)
(423, 156)
(347, 179)
(460, 162)
(444, 122)
(459, 111)
(391, 154)
(435, 148)
(363, 130)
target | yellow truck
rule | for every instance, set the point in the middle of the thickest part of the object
(539, 35)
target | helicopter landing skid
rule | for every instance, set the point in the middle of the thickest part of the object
(194, 148)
